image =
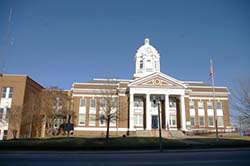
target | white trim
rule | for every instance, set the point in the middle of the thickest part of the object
(89, 95)
(209, 93)
(114, 79)
(79, 128)
(208, 98)
(192, 82)
(147, 77)
(94, 89)
(93, 83)
(217, 87)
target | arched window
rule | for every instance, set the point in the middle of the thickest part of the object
(141, 64)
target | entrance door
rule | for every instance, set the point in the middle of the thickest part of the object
(154, 121)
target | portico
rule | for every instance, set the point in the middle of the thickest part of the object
(172, 109)
(143, 112)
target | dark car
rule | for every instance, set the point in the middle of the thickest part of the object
(246, 133)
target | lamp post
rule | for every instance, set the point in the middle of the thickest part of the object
(158, 101)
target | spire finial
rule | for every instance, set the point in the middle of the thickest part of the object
(146, 41)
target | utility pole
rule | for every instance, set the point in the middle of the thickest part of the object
(158, 102)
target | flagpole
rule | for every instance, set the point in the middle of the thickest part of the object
(214, 106)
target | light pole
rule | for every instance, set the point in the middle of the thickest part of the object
(158, 101)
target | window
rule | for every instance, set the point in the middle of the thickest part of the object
(10, 92)
(191, 104)
(192, 121)
(200, 105)
(1, 113)
(92, 103)
(138, 119)
(141, 64)
(82, 119)
(102, 119)
(201, 120)
(138, 102)
(220, 121)
(172, 102)
(5, 134)
(153, 104)
(210, 105)
(4, 92)
(219, 106)
(103, 103)
(7, 92)
(92, 118)
(210, 121)
(113, 102)
(172, 120)
(7, 113)
(82, 102)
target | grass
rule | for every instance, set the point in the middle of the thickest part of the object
(118, 143)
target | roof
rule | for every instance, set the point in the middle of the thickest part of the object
(189, 83)
(108, 81)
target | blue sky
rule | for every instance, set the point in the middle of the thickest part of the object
(58, 42)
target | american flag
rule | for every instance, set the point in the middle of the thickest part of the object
(211, 69)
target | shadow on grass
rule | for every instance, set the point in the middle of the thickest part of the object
(127, 143)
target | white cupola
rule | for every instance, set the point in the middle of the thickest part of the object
(147, 60)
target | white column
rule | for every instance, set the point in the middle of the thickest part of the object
(167, 111)
(183, 113)
(131, 112)
(148, 114)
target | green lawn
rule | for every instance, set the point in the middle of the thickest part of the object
(119, 143)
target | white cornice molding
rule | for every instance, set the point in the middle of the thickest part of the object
(142, 79)
(216, 87)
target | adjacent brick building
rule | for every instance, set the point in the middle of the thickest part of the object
(17, 91)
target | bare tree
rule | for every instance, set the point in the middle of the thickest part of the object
(15, 119)
(109, 106)
(31, 116)
(56, 109)
(241, 101)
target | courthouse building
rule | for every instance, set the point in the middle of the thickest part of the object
(184, 106)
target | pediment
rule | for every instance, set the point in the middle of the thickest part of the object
(157, 80)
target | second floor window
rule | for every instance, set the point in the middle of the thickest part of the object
(82, 103)
(219, 105)
(103, 103)
(92, 103)
(210, 105)
(200, 105)
(10, 92)
(7, 92)
(191, 104)
(4, 92)
(172, 102)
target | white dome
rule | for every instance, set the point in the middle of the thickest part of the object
(147, 60)
(147, 50)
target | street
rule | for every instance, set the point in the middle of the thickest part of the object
(215, 158)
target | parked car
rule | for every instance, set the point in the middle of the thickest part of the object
(246, 133)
